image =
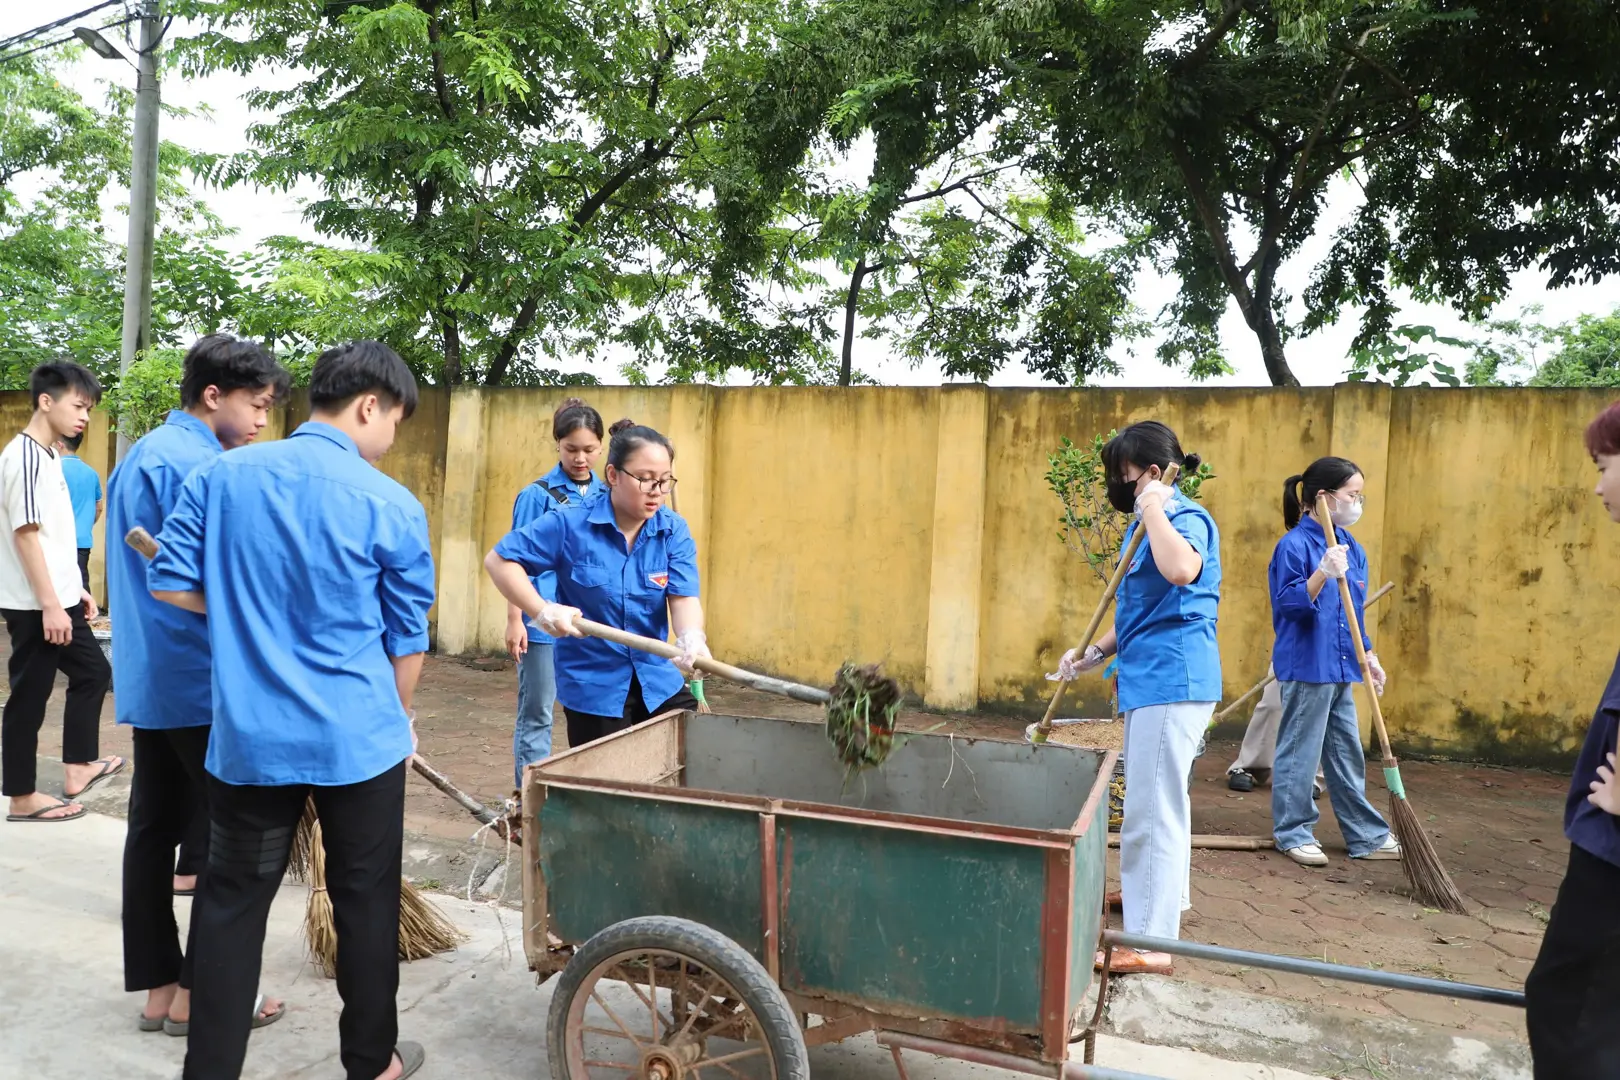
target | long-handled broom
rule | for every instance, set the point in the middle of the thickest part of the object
(1039, 733)
(423, 931)
(1421, 863)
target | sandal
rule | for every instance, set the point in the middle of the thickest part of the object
(150, 1023)
(108, 770)
(38, 816)
(411, 1056)
(179, 1028)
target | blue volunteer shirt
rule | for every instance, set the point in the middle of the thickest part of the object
(161, 659)
(84, 488)
(1166, 633)
(1313, 638)
(1595, 831)
(316, 570)
(551, 492)
(584, 548)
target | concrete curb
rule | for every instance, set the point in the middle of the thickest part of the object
(1335, 1042)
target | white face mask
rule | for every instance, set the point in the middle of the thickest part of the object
(1345, 516)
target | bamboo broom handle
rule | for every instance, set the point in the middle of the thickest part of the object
(1270, 678)
(796, 691)
(1324, 517)
(1045, 726)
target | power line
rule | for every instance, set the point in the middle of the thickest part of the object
(38, 31)
(64, 39)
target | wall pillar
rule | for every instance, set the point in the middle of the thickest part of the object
(461, 555)
(691, 429)
(956, 573)
(1361, 433)
(98, 451)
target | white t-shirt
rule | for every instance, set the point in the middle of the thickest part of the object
(34, 492)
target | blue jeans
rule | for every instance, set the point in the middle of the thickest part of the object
(537, 693)
(1319, 725)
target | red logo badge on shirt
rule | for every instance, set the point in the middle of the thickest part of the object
(660, 580)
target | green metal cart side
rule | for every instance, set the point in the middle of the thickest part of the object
(727, 873)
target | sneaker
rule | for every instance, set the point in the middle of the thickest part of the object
(1240, 780)
(1389, 851)
(1307, 855)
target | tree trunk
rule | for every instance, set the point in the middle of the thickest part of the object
(1271, 349)
(851, 302)
(452, 352)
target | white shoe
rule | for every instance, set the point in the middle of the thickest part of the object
(1389, 851)
(1307, 855)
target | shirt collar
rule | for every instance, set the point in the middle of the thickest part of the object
(600, 512)
(327, 432)
(558, 477)
(183, 419)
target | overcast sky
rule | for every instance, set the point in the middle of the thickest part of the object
(1317, 360)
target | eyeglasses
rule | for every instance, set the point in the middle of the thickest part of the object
(653, 485)
(1353, 500)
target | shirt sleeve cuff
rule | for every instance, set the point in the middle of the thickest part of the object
(160, 582)
(405, 644)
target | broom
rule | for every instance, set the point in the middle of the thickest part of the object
(1038, 733)
(423, 931)
(1420, 862)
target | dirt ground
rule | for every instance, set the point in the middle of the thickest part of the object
(1497, 830)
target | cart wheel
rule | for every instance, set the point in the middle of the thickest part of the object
(694, 1006)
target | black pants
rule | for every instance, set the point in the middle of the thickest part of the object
(584, 727)
(168, 792)
(363, 832)
(84, 567)
(33, 667)
(1572, 996)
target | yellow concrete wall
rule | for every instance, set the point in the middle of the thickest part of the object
(914, 527)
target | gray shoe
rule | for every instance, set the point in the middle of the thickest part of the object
(411, 1056)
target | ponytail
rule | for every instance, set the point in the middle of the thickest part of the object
(1323, 474)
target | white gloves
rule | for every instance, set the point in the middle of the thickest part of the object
(1335, 562)
(1157, 493)
(558, 620)
(694, 646)
(411, 715)
(1379, 679)
(1075, 664)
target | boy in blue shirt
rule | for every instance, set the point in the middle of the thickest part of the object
(84, 488)
(163, 666)
(314, 570)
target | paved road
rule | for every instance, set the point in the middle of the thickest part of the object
(477, 1011)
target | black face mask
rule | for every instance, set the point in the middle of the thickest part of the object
(1122, 495)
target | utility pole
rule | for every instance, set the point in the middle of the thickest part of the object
(142, 200)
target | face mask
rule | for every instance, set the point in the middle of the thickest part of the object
(1122, 495)
(1345, 516)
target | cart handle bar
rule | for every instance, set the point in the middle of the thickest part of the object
(1299, 966)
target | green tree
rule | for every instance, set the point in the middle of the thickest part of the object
(1523, 352)
(533, 173)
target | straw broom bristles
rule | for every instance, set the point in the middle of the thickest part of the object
(423, 931)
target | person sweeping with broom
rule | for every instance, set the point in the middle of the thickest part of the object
(316, 575)
(1572, 995)
(626, 560)
(1317, 669)
(1169, 679)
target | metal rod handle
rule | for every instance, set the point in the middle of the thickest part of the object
(797, 691)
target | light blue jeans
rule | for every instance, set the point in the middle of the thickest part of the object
(537, 694)
(1155, 839)
(1319, 725)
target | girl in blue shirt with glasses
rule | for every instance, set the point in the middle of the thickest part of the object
(1169, 678)
(625, 560)
(1315, 661)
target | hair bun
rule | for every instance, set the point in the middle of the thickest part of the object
(571, 403)
(1190, 463)
(620, 425)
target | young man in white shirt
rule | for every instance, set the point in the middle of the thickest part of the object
(45, 605)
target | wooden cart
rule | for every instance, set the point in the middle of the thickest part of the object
(718, 896)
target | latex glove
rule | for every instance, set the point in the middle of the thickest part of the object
(1157, 493)
(1606, 789)
(1075, 664)
(411, 715)
(558, 620)
(694, 646)
(1378, 676)
(517, 636)
(1335, 562)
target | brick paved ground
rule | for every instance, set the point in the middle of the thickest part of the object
(1497, 830)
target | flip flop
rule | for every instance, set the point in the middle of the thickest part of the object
(108, 770)
(38, 816)
(180, 1028)
(411, 1057)
(185, 892)
(150, 1023)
